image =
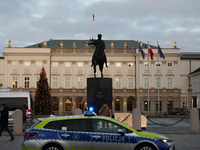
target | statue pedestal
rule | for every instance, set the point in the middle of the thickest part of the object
(99, 92)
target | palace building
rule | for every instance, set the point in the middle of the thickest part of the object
(136, 81)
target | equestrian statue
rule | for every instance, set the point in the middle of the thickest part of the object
(99, 56)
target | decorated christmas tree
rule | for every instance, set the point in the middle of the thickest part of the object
(43, 104)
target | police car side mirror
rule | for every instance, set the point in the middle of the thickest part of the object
(120, 131)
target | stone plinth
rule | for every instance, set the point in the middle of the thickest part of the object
(18, 122)
(136, 122)
(194, 120)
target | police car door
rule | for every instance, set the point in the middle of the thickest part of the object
(75, 134)
(105, 136)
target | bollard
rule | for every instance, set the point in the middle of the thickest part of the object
(194, 120)
(77, 112)
(18, 122)
(136, 121)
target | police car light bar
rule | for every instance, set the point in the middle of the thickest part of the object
(89, 113)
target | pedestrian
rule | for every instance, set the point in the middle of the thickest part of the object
(4, 121)
(24, 107)
(105, 110)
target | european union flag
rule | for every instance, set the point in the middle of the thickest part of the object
(141, 50)
(160, 52)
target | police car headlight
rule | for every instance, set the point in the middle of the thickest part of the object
(165, 141)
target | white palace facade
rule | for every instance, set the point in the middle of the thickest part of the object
(67, 64)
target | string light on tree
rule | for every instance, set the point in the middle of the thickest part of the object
(43, 104)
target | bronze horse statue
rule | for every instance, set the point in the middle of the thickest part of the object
(99, 56)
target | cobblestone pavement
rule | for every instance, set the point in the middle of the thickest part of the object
(5, 144)
(185, 141)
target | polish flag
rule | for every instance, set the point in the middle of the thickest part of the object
(70, 103)
(150, 52)
(83, 101)
(93, 17)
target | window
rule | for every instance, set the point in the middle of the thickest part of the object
(67, 106)
(55, 82)
(26, 83)
(67, 64)
(130, 65)
(169, 83)
(158, 84)
(118, 64)
(104, 65)
(76, 125)
(27, 63)
(55, 105)
(184, 105)
(146, 106)
(79, 105)
(80, 83)
(106, 126)
(54, 125)
(55, 64)
(145, 83)
(80, 64)
(130, 83)
(38, 64)
(37, 80)
(14, 102)
(129, 106)
(117, 105)
(14, 82)
(169, 105)
(169, 64)
(158, 64)
(67, 82)
(146, 64)
(160, 106)
(15, 63)
(118, 83)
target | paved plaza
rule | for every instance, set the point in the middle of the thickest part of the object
(183, 139)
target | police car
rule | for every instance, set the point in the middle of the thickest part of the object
(90, 132)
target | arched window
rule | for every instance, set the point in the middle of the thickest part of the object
(79, 103)
(129, 105)
(117, 105)
(67, 103)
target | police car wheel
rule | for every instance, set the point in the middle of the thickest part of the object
(146, 146)
(52, 147)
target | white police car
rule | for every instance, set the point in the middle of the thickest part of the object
(90, 132)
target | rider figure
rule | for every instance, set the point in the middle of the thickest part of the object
(100, 46)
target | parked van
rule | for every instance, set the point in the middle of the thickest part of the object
(16, 100)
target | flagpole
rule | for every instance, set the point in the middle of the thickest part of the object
(92, 25)
(148, 76)
(158, 85)
(138, 74)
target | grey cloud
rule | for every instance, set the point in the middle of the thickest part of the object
(29, 22)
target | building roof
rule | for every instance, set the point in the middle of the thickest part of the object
(81, 44)
(195, 71)
(190, 56)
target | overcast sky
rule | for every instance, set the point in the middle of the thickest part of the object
(27, 22)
